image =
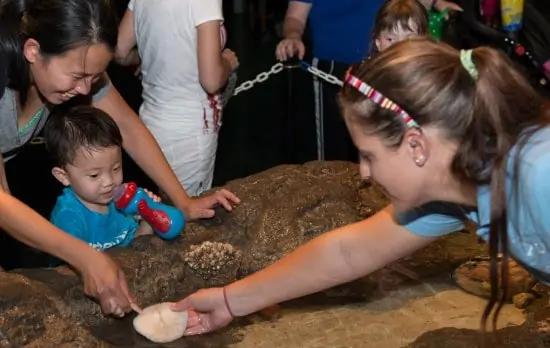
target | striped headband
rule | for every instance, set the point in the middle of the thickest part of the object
(379, 99)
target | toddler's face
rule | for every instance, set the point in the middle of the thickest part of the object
(94, 175)
(390, 36)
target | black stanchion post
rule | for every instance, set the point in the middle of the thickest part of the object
(289, 125)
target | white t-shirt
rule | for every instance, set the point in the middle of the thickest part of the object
(166, 35)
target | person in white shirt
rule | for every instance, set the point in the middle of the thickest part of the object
(179, 47)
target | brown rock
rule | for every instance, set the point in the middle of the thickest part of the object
(271, 313)
(282, 208)
(523, 300)
(474, 277)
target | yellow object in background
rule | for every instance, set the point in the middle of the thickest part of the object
(512, 14)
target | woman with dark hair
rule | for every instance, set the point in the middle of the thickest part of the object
(50, 52)
(472, 136)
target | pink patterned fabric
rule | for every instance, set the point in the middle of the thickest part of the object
(489, 9)
(546, 67)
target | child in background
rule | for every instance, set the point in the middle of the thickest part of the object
(180, 46)
(86, 146)
(398, 20)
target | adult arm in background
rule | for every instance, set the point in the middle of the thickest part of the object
(126, 51)
(214, 65)
(440, 5)
(293, 30)
(333, 258)
(144, 150)
(102, 277)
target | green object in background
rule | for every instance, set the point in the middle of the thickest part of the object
(436, 20)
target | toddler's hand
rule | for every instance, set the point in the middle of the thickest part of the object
(151, 195)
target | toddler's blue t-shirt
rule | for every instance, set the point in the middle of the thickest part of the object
(100, 231)
(528, 209)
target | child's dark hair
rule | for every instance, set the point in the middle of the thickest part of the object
(485, 115)
(67, 131)
(406, 14)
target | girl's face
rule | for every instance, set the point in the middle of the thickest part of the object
(404, 172)
(388, 37)
(60, 78)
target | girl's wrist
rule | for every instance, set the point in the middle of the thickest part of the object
(227, 306)
(237, 303)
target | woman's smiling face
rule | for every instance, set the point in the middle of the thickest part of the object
(60, 78)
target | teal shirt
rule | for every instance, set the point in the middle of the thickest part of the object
(528, 209)
(100, 231)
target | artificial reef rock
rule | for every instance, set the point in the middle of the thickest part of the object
(281, 209)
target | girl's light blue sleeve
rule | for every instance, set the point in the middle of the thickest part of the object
(433, 219)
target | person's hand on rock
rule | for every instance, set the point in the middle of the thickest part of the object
(203, 208)
(207, 311)
(104, 280)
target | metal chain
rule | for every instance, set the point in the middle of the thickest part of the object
(245, 86)
(261, 77)
(321, 74)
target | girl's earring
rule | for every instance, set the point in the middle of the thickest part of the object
(420, 160)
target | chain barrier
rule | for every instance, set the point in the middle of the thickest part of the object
(245, 86)
(261, 77)
(321, 74)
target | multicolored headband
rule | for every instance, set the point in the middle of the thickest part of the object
(379, 99)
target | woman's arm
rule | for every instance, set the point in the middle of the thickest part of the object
(27, 226)
(126, 52)
(102, 278)
(143, 148)
(334, 258)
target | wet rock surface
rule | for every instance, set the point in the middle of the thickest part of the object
(281, 209)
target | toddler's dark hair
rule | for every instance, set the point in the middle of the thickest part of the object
(68, 130)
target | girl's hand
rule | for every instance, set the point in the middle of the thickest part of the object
(207, 311)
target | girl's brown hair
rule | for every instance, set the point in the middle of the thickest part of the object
(407, 14)
(486, 115)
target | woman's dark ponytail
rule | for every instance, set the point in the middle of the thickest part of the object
(14, 72)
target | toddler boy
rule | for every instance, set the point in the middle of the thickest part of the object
(86, 146)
